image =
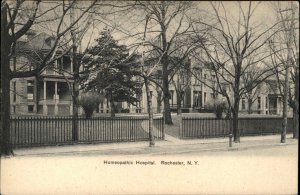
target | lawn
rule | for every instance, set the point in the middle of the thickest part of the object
(173, 129)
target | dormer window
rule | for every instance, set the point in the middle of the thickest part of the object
(49, 41)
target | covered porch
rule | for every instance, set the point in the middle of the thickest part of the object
(54, 97)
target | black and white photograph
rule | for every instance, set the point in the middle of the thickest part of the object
(149, 97)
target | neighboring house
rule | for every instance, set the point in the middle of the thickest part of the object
(268, 101)
(48, 93)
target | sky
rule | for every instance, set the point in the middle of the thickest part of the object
(123, 24)
(264, 16)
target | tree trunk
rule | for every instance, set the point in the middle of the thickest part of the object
(235, 115)
(286, 80)
(159, 101)
(167, 110)
(168, 117)
(296, 109)
(112, 108)
(6, 148)
(235, 126)
(165, 77)
(250, 106)
(76, 83)
(179, 98)
(75, 95)
(296, 123)
(75, 112)
(285, 106)
(5, 104)
(150, 113)
(285, 98)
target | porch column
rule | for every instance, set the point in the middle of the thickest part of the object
(55, 99)
(35, 96)
(71, 66)
(268, 104)
(45, 108)
(71, 102)
(192, 99)
(263, 104)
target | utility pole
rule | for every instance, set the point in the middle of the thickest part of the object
(287, 70)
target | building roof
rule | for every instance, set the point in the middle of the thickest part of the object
(36, 41)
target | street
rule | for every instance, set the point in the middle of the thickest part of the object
(271, 170)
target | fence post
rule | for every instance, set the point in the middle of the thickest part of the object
(163, 129)
(180, 128)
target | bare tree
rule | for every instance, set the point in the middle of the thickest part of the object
(227, 45)
(17, 18)
(287, 74)
(168, 22)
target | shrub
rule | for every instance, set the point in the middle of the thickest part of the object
(125, 110)
(218, 106)
(89, 102)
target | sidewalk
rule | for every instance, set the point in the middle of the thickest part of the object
(171, 145)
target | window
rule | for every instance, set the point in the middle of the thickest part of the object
(213, 78)
(138, 103)
(59, 64)
(159, 76)
(198, 76)
(197, 99)
(182, 77)
(30, 108)
(243, 104)
(182, 98)
(258, 103)
(14, 92)
(97, 109)
(267, 105)
(30, 90)
(171, 96)
(107, 103)
(204, 97)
